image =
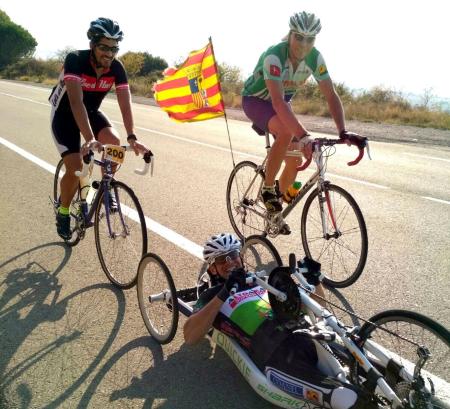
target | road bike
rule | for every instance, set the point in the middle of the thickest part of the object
(397, 359)
(333, 229)
(120, 228)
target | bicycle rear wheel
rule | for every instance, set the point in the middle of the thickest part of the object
(246, 209)
(157, 298)
(122, 242)
(342, 250)
(258, 253)
(416, 331)
(74, 205)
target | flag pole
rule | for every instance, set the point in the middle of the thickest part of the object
(223, 102)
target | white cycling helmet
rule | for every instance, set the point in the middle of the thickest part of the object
(219, 245)
(305, 23)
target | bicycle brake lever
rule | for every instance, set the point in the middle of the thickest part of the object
(368, 150)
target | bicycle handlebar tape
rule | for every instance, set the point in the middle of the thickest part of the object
(148, 156)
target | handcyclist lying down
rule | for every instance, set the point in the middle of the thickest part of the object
(247, 317)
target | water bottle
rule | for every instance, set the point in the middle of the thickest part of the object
(92, 192)
(292, 191)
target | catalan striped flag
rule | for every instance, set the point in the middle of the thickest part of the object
(191, 92)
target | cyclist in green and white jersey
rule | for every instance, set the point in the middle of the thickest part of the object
(247, 317)
(279, 73)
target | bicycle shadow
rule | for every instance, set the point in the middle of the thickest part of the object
(38, 327)
(192, 377)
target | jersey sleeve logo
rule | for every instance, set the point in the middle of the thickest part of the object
(322, 69)
(275, 70)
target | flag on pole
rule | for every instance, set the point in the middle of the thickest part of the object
(191, 92)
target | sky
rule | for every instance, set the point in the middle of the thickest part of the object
(398, 44)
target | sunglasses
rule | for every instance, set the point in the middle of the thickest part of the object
(300, 38)
(228, 257)
(105, 48)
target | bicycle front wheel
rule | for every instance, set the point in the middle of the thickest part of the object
(157, 298)
(401, 335)
(244, 203)
(74, 207)
(342, 247)
(120, 236)
(258, 253)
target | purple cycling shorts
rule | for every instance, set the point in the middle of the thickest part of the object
(258, 111)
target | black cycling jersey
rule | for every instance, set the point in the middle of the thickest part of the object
(78, 67)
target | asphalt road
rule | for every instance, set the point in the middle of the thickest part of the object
(70, 340)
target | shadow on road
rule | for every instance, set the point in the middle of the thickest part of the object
(44, 328)
(192, 377)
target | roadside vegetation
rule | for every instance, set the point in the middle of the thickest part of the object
(376, 105)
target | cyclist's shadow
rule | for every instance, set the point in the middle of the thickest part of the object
(193, 377)
(30, 298)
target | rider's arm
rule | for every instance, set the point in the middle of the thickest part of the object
(283, 109)
(334, 103)
(75, 94)
(199, 323)
(124, 100)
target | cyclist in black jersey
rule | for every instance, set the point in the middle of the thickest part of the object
(86, 78)
(248, 318)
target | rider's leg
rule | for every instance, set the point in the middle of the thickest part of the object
(278, 149)
(69, 182)
(290, 170)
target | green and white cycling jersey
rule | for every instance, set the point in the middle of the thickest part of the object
(274, 64)
(245, 311)
(248, 309)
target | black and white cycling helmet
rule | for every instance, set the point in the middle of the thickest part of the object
(305, 23)
(104, 27)
(219, 245)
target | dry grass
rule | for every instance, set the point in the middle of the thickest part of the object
(377, 105)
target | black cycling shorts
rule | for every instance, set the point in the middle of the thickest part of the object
(66, 133)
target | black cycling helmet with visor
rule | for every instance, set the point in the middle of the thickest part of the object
(104, 28)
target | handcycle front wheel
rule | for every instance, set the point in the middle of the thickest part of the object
(245, 207)
(157, 298)
(400, 334)
(74, 208)
(120, 235)
(342, 248)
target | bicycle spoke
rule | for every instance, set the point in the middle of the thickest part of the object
(342, 252)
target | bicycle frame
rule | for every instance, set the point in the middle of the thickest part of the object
(88, 211)
(317, 178)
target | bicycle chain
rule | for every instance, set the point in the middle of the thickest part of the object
(360, 318)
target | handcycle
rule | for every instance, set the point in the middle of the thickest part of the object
(333, 229)
(120, 231)
(398, 359)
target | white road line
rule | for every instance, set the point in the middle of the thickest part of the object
(164, 232)
(435, 200)
(426, 157)
(24, 99)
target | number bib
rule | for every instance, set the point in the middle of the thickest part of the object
(115, 153)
